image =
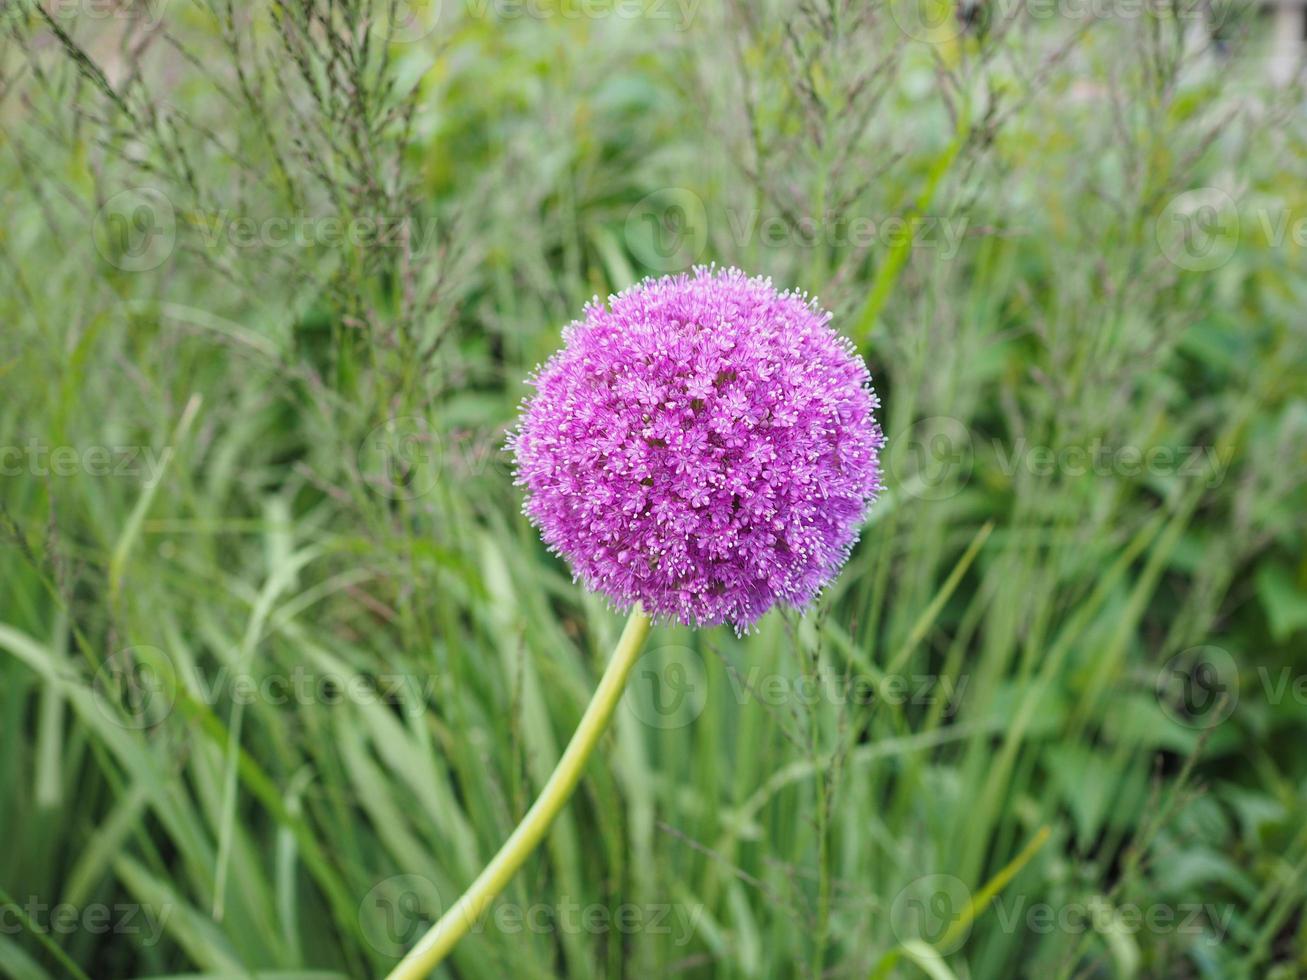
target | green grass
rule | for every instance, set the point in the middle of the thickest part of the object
(280, 676)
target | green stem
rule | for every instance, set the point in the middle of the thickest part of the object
(454, 924)
(888, 272)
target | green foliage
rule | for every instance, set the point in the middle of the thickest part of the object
(282, 664)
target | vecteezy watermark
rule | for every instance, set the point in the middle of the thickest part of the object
(404, 457)
(405, 21)
(415, 20)
(37, 458)
(678, 13)
(398, 21)
(1199, 230)
(1015, 913)
(667, 230)
(135, 230)
(148, 13)
(937, 21)
(932, 459)
(932, 909)
(138, 688)
(398, 910)
(937, 908)
(219, 228)
(400, 458)
(843, 230)
(1283, 684)
(860, 690)
(144, 921)
(1099, 459)
(1280, 227)
(1198, 687)
(668, 687)
(676, 921)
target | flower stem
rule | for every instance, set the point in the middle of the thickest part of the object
(454, 924)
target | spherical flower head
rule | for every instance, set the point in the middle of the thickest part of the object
(704, 445)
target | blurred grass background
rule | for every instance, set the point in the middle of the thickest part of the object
(282, 664)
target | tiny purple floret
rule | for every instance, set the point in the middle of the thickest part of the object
(704, 445)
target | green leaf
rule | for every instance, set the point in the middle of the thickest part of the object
(1284, 600)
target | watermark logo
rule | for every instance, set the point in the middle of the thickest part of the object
(932, 909)
(136, 229)
(397, 911)
(932, 459)
(668, 687)
(667, 230)
(1198, 687)
(927, 20)
(406, 21)
(136, 687)
(1199, 229)
(400, 458)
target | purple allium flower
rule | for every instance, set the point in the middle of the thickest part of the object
(707, 446)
